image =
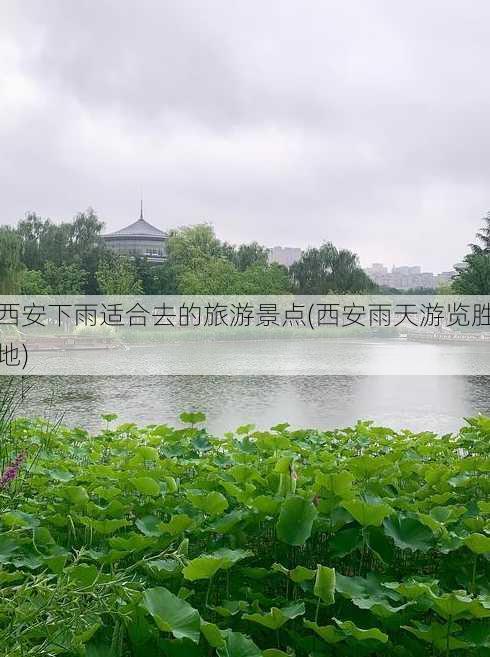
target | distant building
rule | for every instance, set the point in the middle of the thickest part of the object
(139, 239)
(407, 277)
(284, 255)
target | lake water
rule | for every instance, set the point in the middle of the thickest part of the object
(273, 357)
(436, 403)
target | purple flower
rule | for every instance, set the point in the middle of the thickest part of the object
(11, 472)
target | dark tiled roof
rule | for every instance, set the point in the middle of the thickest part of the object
(140, 228)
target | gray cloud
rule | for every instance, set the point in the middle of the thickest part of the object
(287, 122)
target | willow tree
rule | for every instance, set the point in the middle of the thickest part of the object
(10, 261)
(330, 270)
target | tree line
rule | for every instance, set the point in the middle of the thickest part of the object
(39, 256)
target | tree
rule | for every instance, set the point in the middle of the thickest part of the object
(77, 243)
(43, 241)
(65, 278)
(214, 276)
(33, 283)
(189, 246)
(329, 270)
(247, 255)
(474, 277)
(86, 245)
(269, 279)
(117, 275)
(483, 236)
(10, 261)
(31, 232)
(159, 279)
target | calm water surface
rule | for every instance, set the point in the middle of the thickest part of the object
(436, 403)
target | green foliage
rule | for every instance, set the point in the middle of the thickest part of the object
(117, 274)
(43, 257)
(33, 282)
(68, 250)
(201, 264)
(65, 278)
(474, 277)
(330, 270)
(162, 541)
(10, 261)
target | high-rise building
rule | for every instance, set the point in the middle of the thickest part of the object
(406, 277)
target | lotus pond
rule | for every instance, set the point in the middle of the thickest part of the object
(155, 541)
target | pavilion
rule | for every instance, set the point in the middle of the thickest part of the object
(139, 239)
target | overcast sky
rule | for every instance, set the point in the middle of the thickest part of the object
(288, 122)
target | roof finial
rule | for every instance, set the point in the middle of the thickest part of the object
(141, 210)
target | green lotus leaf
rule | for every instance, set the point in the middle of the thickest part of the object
(207, 566)
(59, 474)
(438, 636)
(202, 567)
(409, 533)
(107, 492)
(267, 504)
(380, 544)
(231, 557)
(146, 486)
(380, 607)
(149, 525)
(231, 607)
(412, 589)
(228, 522)
(212, 634)
(171, 614)
(77, 495)
(457, 604)
(366, 513)
(328, 633)
(213, 503)
(301, 574)
(192, 418)
(477, 543)
(238, 645)
(84, 574)
(19, 519)
(245, 429)
(131, 542)
(447, 514)
(176, 525)
(109, 417)
(345, 542)
(271, 443)
(325, 584)
(104, 526)
(338, 483)
(145, 453)
(164, 568)
(276, 618)
(351, 630)
(296, 520)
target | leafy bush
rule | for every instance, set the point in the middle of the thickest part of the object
(160, 541)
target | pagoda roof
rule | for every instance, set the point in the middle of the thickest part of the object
(139, 228)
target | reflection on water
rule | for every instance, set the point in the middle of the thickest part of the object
(436, 403)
